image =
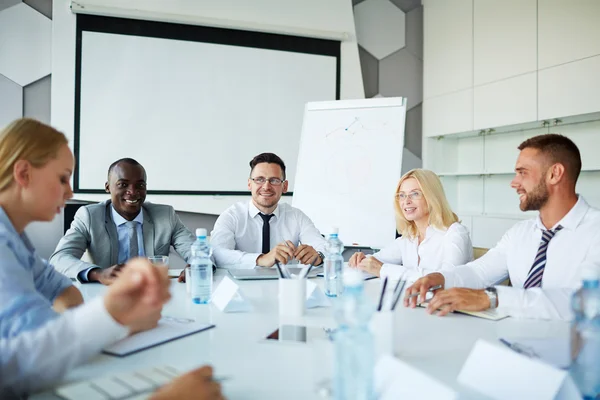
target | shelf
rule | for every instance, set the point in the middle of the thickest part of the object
(491, 173)
(564, 121)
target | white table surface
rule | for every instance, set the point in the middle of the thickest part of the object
(272, 370)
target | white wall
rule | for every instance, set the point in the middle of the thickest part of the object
(299, 15)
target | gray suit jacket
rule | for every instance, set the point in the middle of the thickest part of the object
(93, 229)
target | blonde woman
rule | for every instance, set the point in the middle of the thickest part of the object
(432, 237)
(45, 330)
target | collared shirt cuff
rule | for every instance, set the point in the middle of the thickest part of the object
(448, 279)
(96, 326)
(508, 298)
(82, 276)
(249, 260)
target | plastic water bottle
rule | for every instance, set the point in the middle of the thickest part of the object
(585, 335)
(201, 269)
(334, 265)
(354, 347)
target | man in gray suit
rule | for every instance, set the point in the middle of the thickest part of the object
(120, 228)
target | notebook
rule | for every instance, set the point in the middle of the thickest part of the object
(168, 329)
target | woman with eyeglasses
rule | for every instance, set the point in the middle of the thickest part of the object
(432, 237)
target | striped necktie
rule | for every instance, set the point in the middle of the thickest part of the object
(534, 279)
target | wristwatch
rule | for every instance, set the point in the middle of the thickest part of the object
(492, 293)
(321, 256)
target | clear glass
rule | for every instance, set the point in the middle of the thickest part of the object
(159, 261)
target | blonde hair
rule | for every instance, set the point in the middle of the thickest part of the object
(440, 213)
(27, 139)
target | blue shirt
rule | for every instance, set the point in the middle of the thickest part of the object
(123, 234)
(123, 237)
(28, 284)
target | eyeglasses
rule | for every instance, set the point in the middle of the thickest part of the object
(413, 196)
(261, 180)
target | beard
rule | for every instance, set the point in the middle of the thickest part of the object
(536, 198)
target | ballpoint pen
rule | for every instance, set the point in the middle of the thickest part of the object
(431, 289)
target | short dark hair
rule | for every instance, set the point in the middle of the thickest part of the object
(129, 161)
(267, 158)
(558, 149)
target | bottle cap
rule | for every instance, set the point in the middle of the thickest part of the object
(352, 277)
(334, 231)
(200, 232)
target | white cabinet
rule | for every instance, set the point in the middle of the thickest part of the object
(507, 102)
(450, 113)
(569, 89)
(447, 46)
(568, 30)
(504, 39)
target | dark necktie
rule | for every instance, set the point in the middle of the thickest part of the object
(534, 279)
(266, 236)
(133, 239)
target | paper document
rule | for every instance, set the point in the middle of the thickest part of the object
(168, 329)
(493, 315)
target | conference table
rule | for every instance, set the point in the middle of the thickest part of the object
(260, 369)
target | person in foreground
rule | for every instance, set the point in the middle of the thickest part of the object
(119, 229)
(45, 330)
(543, 257)
(432, 238)
(263, 231)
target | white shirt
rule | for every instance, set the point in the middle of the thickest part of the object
(33, 359)
(440, 249)
(237, 236)
(569, 252)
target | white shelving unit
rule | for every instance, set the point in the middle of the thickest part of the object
(476, 169)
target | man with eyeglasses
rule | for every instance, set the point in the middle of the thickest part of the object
(262, 231)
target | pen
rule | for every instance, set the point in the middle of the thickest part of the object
(385, 281)
(279, 269)
(431, 289)
(398, 292)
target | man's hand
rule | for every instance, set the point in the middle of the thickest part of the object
(283, 252)
(146, 323)
(196, 385)
(356, 258)
(181, 278)
(458, 299)
(138, 294)
(69, 298)
(421, 286)
(306, 254)
(371, 265)
(106, 276)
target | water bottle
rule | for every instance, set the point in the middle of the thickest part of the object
(585, 335)
(201, 269)
(334, 264)
(353, 341)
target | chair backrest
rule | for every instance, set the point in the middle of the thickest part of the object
(479, 251)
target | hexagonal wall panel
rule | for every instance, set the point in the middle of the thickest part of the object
(401, 74)
(42, 6)
(11, 101)
(380, 27)
(25, 44)
(407, 5)
(413, 131)
(8, 3)
(414, 32)
(370, 72)
(36, 100)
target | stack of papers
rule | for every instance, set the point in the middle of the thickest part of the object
(168, 329)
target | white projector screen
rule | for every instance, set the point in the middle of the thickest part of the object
(192, 112)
